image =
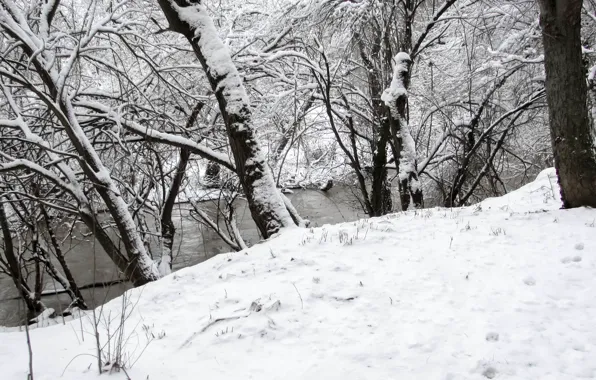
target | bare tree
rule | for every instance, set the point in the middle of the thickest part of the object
(47, 85)
(190, 18)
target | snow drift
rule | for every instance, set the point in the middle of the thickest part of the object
(504, 289)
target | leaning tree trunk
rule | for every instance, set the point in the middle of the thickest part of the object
(168, 229)
(190, 18)
(566, 94)
(68, 283)
(396, 100)
(139, 267)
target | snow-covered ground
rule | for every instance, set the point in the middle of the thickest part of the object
(505, 289)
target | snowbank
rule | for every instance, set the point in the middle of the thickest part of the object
(543, 193)
(503, 290)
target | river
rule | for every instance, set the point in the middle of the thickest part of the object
(194, 243)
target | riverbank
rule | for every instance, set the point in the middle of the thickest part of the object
(193, 244)
(502, 289)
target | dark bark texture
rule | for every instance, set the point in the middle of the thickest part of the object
(243, 143)
(566, 95)
(13, 266)
(380, 194)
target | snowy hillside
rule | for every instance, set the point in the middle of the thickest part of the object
(505, 289)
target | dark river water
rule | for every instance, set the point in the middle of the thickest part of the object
(194, 243)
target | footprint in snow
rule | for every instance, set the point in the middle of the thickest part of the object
(486, 369)
(492, 337)
(530, 281)
(579, 246)
(490, 373)
(568, 259)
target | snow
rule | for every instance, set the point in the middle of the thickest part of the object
(397, 87)
(498, 290)
(217, 56)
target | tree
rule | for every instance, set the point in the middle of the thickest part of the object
(357, 45)
(566, 94)
(395, 98)
(51, 88)
(190, 18)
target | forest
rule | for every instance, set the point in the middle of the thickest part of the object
(114, 113)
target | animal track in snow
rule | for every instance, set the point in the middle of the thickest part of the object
(490, 373)
(492, 337)
(568, 259)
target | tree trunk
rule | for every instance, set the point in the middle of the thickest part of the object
(212, 177)
(168, 230)
(190, 18)
(68, 283)
(566, 94)
(380, 195)
(33, 304)
(139, 267)
(396, 101)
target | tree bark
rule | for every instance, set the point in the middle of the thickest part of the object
(168, 229)
(140, 268)
(380, 195)
(190, 18)
(404, 149)
(566, 94)
(68, 283)
(33, 304)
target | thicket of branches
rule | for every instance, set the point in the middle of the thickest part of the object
(114, 110)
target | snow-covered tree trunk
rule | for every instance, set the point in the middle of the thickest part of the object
(592, 96)
(57, 97)
(190, 18)
(141, 268)
(396, 100)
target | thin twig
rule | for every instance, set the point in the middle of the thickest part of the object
(299, 295)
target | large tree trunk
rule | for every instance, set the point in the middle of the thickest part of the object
(190, 18)
(566, 94)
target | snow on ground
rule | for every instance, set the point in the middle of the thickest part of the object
(505, 289)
